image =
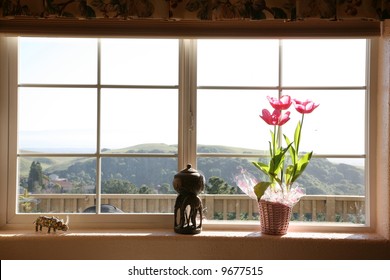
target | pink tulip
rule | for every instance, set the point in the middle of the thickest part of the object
(276, 118)
(305, 107)
(282, 103)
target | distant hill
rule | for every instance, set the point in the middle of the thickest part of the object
(146, 148)
(321, 176)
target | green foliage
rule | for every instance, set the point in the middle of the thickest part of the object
(144, 189)
(118, 186)
(217, 185)
(298, 166)
(320, 177)
(26, 202)
(35, 178)
(166, 188)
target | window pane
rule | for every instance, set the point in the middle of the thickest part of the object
(139, 62)
(57, 61)
(324, 62)
(139, 184)
(138, 116)
(57, 120)
(335, 191)
(56, 184)
(334, 176)
(231, 118)
(238, 62)
(228, 201)
(334, 127)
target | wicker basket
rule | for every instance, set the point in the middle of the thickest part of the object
(274, 217)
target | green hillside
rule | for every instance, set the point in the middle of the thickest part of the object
(152, 175)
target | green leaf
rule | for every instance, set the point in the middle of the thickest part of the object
(301, 165)
(272, 136)
(303, 162)
(292, 151)
(270, 149)
(287, 139)
(275, 162)
(260, 188)
(290, 171)
(297, 135)
(262, 166)
(271, 143)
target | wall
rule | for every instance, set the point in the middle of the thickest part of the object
(383, 153)
(3, 131)
(164, 244)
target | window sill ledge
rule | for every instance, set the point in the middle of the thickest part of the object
(165, 244)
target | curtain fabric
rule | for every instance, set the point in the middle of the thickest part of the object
(197, 9)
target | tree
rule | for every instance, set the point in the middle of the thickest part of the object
(166, 188)
(35, 176)
(217, 185)
(118, 186)
(144, 189)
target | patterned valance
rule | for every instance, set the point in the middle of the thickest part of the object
(197, 9)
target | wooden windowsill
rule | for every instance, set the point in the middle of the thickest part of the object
(165, 244)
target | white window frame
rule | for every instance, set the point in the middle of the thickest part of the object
(186, 152)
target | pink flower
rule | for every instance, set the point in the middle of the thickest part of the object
(282, 103)
(305, 107)
(281, 174)
(276, 118)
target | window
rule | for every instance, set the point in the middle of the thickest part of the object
(110, 121)
(234, 79)
(100, 133)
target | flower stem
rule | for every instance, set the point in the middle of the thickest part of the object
(274, 142)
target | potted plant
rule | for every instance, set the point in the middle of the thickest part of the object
(279, 193)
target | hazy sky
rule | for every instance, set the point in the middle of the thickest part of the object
(66, 117)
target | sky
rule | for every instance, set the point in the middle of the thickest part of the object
(225, 117)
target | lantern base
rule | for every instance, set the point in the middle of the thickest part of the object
(188, 230)
(188, 214)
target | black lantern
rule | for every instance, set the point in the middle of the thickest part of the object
(188, 207)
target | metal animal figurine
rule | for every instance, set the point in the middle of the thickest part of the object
(51, 223)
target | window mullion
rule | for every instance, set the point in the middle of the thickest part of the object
(371, 128)
(280, 87)
(98, 130)
(187, 102)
